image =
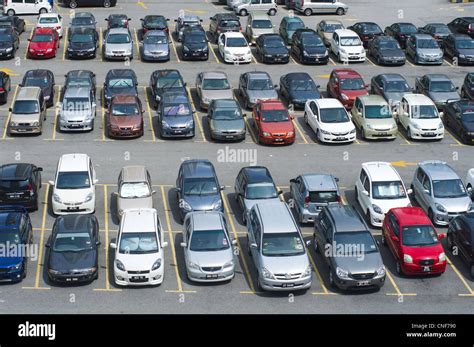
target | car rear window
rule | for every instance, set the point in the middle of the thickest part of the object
(322, 197)
(229, 23)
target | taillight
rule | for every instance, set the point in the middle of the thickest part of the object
(30, 186)
(338, 199)
(240, 28)
(469, 28)
(2, 90)
(306, 201)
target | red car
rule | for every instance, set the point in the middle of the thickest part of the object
(346, 85)
(413, 241)
(124, 117)
(44, 43)
(272, 122)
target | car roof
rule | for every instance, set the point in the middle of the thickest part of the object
(293, 76)
(438, 170)
(346, 73)
(233, 34)
(437, 77)
(80, 73)
(271, 105)
(118, 31)
(82, 30)
(271, 35)
(380, 171)
(411, 216)
(373, 99)
(345, 32)
(120, 73)
(83, 14)
(422, 36)
(226, 15)
(258, 75)
(9, 219)
(73, 162)
(207, 220)
(225, 103)
(276, 217)
(319, 182)
(74, 223)
(15, 171)
(197, 168)
(190, 18)
(469, 219)
(259, 15)
(167, 73)
(418, 99)
(155, 33)
(257, 174)
(77, 92)
(40, 30)
(345, 218)
(28, 93)
(389, 77)
(134, 173)
(124, 99)
(328, 103)
(51, 14)
(214, 74)
(38, 73)
(138, 220)
(174, 97)
(290, 19)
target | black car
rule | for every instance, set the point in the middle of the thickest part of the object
(401, 32)
(439, 31)
(176, 115)
(79, 78)
(308, 47)
(20, 184)
(120, 81)
(462, 25)
(41, 78)
(298, 87)
(459, 116)
(82, 43)
(467, 89)
(73, 249)
(194, 45)
(5, 87)
(460, 238)
(155, 22)
(76, 3)
(459, 48)
(14, 22)
(9, 42)
(83, 20)
(386, 51)
(117, 21)
(162, 81)
(367, 31)
(222, 23)
(271, 48)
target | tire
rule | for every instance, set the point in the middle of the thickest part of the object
(340, 11)
(449, 242)
(409, 133)
(463, 93)
(431, 216)
(471, 271)
(73, 4)
(382, 239)
(308, 12)
(339, 58)
(43, 10)
(305, 118)
(367, 216)
(316, 247)
(331, 279)
(10, 12)
(272, 12)
(318, 136)
(107, 3)
(243, 13)
(362, 133)
(399, 268)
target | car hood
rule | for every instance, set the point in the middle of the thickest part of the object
(366, 263)
(419, 253)
(284, 265)
(278, 127)
(66, 261)
(81, 45)
(73, 195)
(156, 47)
(195, 46)
(466, 51)
(352, 94)
(125, 121)
(118, 47)
(211, 258)
(276, 50)
(305, 94)
(392, 53)
(25, 118)
(257, 32)
(123, 204)
(353, 49)
(455, 204)
(75, 116)
(381, 123)
(315, 50)
(387, 204)
(202, 202)
(262, 94)
(430, 51)
(177, 121)
(109, 92)
(228, 125)
(443, 96)
(41, 45)
(239, 50)
(217, 94)
(249, 203)
(468, 126)
(427, 123)
(338, 127)
(139, 262)
(9, 261)
(5, 44)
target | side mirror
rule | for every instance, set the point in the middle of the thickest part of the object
(222, 187)
(115, 193)
(164, 244)
(395, 238)
(178, 189)
(10, 109)
(409, 191)
(366, 193)
(280, 192)
(234, 242)
(113, 245)
(41, 169)
(426, 191)
(183, 244)
(441, 236)
(292, 180)
(308, 242)
(98, 243)
(47, 245)
(95, 181)
(253, 245)
(153, 192)
(51, 183)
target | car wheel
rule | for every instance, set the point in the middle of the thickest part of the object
(73, 4)
(43, 10)
(272, 12)
(463, 93)
(248, 248)
(367, 216)
(409, 133)
(318, 136)
(471, 271)
(449, 242)
(308, 12)
(356, 194)
(244, 219)
(431, 216)
(107, 3)
(316, 247)
(243, 13)
(413, 191)
(382, 239)
(331, 278)
(305, 117)
(399, 268)
(10, 12)
(339, 58)
(362, 133)
(340, 11)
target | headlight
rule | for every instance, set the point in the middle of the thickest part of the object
(164, 124)
(324, 132)
(54, 272)
(186, 49)
(291, 133)
(370, 127)
(89, 197)
(344, 96)
(381, 271)
(13, 124)
(307, 272)
(146, 51)
(228, 264)
(470, 207)
(442, 257)
(266, 134)
(407, 259)
(190, 123)
(267, 274)
(9, 49)
(341, 273)
(35, 124)
(119, 265)
(353, 131)
(305, 53)
(56, 198)
(440, 126)
(192, 265)
(69, 49)
(185, 206)
(226, 51)
(156, 265)
(377, 209)
(462, 56)
(415, 125)
(343, 51)
(49, 50)
(16, 267)
(217, 205)
(440, 208)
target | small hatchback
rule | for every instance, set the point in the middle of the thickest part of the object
(213, 85)
(258, 24)
(460, 239)
(273, 124)
(28, 112)
(78, 110)
(372, 115)
(424, 49)
(19, 185)
(124, 117)
(345, 85)
(347, 46)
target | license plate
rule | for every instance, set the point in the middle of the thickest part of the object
(288, 285)
(340, 138)
(71, 279)
(14, 196)
(278, 140)
(363, 283)
(383, 134)
(138, 278)
(426, 268)
(177, 132)
(210, 277)
(72, 208)
(229, 137)
(75, 125)
(429, 134)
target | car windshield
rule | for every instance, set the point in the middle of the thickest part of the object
(427, 44)
(12, 237)
(352, 84)
(42, 38)
(282, 244)
(118, 38)
(48, 20)
(6, 184)
(82, 38)
(275, 116)
(312, 41)
(73, 180)
(134, 190)
(236, 42)
(78, 21)
(419, 235)
(78, 82)
(72, 242)
(125, 109)
(449, 188)
(262, 24)
(191, 24)
(465, 44)
(334, 115)
(200, 186)
(155, 20)
(441, 29)
(388, 190)
(264, 190)
(36, 82)
(215, 84)
(121, 83)
(388, 44)
(424, 112)
(377, 112)
(5, 38)
(226, 114)
(354, 244)
(117, 22)
(408, 29)
(397, 87)
(323, 197)
(25, 107)
(176, 110)
(155, 39)
(302, 85)
(442, 86)
(260, 84)
(195, 38)
(169, 82)
(371, 28)
(274, 42)
(208, 241)
(293, 26)
(350, 41)
(76, 104)
(138, 243)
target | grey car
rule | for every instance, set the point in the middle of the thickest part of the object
(391, 86)
(437, 87)
(78, 110)
(118, 44)
(175, 115)
(424, 49)
(226, 121)
(212, 85)
(440, 192)
(198, 188)
(277, 248)
(155, 46)
(311, 192)
(359, 264)
(208, 247)
(255, 86)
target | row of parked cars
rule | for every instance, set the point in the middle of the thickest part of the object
(350, 105)
(274, 240)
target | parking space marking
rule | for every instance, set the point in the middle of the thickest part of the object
(27, 45)
(150, 117)
(407, 142)
(397, 290)
(56, 115)
(174, 47)
(137, 45)
(4, 137)
(299, 131)
(65, 44)
(196, 114)
(142, 4)
(213, 53)
(461, 277)
(458, 143)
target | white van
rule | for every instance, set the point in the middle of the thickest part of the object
(244, 7)
(347, 46)
(309, 7)
(16, 7)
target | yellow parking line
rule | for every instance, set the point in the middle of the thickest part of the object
(56, 115)
(136, 42)
(332, 61)
(103, 114)
(459, 143)
(65, 44)
(142, 4)
(236, 236)
(447, 62)
(43, 226)
(410, 63)
(255, 60)
(30, 36)
(468, 287)
(174, 47)
(294, 60)
(398, 292)
(196, 115)
(149, 115)
(300, 131)
(407, 142)
(254, 137)
(9, 115)
(213, 53)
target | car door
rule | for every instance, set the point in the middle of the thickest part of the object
(357, 113)
(404, 114)
(296, 189)
(187, 230)
(365, 193)
(335, 43)
(394, 231)
(425, 196)
(313, 116)
(296, 45)
(199, 85)
(254, 234)
(411, 47)
(221, 44)
(455, 118)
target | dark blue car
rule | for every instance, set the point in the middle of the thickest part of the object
(15, 235)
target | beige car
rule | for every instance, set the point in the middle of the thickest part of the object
(372, 115)
(258, 24)
(326, 28)
(28, 112)
(134, 189)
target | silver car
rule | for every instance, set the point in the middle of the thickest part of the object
(423, 49)
(208, 248)
(78, 110)
(438, 87)
(118, 44)
(226, 121)
(134, 189)
(155, 46)
(212, 85)
(277, 248)
(255, 86)
(440, 192)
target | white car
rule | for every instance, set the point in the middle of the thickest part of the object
(234, 48)
(329, 120)
(51, 20)
(20, 7)
(347, 46)
(118, 44)
(74, 185)
(420, 118)
(139, 259)
(379, 188)
(470, 180)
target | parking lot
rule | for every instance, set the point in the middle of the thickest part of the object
(453, 292)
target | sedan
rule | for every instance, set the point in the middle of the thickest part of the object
(212, 85)
(43, 79)
(183, 22)
(124, 117)
(73, 249)
(175, 116)
(392, 87)
(386, 51)
(120, 81)
(20, 185)
(270, 48)
(83, 20)
(155, 46)
(82, 43)
(309, 48)
(459, 48)
(117, 21)
(9, 42)
(288, 26)
(155, 22)
(297, 88)
(459, 116)
(51, 20)
(162, 81)
(194, 44)
(467, 90)
(326, 28)
(439, 31)
(226, 121)
(273, 124)
(255, 86)
(460, 239)
(437, 87)
(234, 48)
(78, 79)
(118, 45)
(401, 32)
(44, 43)
(367, 31)
(14, 22)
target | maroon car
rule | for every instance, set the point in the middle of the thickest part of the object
(124, 117)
